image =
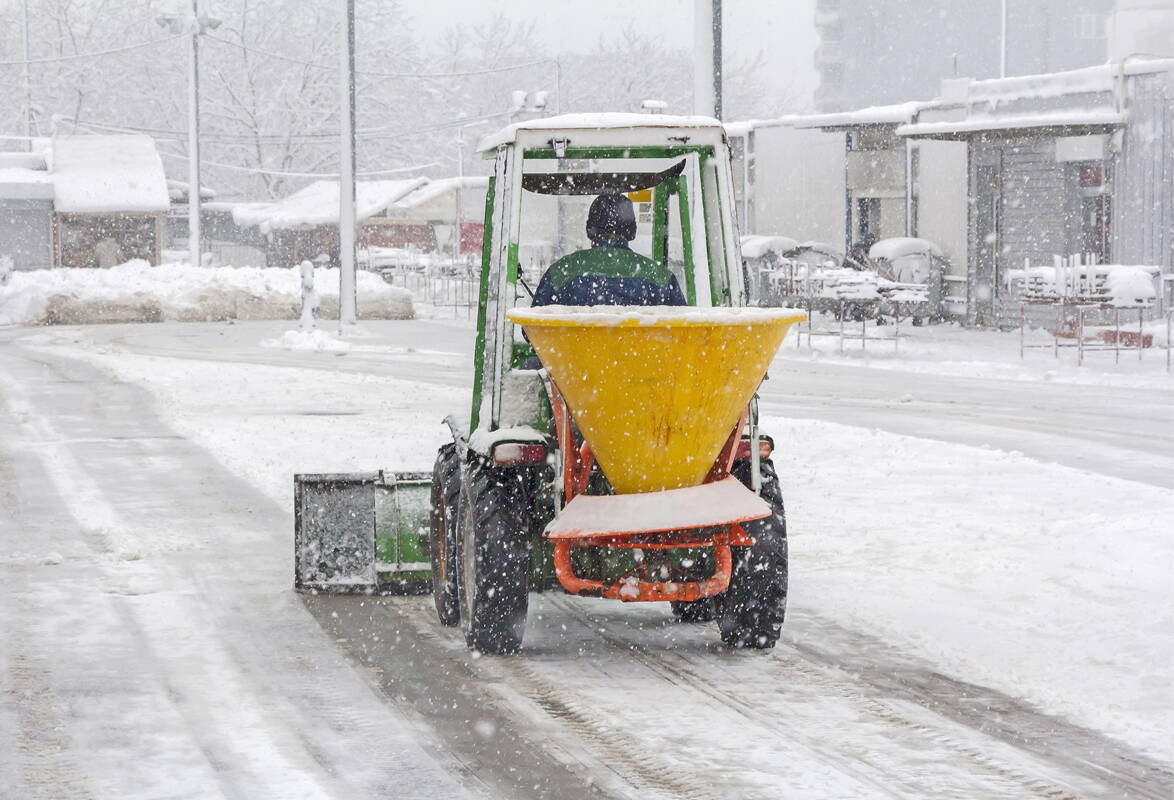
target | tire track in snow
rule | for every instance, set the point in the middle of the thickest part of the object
(1052, 740)
(208, 628)
(684, 670)
(47, 764)
(630, 759)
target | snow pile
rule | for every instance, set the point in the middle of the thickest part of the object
(138, 292)
(316, 341)
(1130, 287)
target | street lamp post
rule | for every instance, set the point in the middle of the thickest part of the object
(193, 25)
(194, 138)
(28, 85)
(347, 298)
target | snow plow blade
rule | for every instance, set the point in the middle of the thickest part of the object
(363, 532)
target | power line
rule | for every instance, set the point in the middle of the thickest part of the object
(376, 134)
(459, 74)
(98, 54)
(379, 74)
(263, 171)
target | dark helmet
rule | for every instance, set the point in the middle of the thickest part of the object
(611, 219)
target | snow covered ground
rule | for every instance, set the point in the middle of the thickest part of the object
(1005, 523)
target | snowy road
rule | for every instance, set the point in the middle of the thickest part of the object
(156, 651)
(1113, 430)
(151, 646)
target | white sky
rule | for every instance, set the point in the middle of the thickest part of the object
(783, 29)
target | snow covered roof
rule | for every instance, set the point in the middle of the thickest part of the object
(1089, 80)
(32, 160)
(605, 121)
(21, 183)
(107, 174)
(873, 115)
(1073, 120)
(742, 127)
(1078, 101)
(318, 204)
(439, 187)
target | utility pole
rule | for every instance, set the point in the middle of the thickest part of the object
(193, 26)
(194, 137)
(28, 85)
(717, 58)
(347, 299)
(1003, 39)
(707, 58)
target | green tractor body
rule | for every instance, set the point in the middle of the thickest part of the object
(472, 531)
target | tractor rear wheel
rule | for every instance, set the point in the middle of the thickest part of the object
(442, 534)
(751, 611)
(494, 533)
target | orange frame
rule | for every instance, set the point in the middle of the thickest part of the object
(576, 472)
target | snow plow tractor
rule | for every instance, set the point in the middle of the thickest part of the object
(610, 450)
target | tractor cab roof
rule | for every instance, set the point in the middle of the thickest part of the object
(607, 130)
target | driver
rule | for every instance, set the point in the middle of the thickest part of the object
(609, 273)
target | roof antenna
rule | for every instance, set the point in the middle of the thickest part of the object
(525, 286)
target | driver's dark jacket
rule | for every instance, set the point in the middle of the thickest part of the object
(608, 276)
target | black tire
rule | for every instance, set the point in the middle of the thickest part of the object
(752, 610)
(442, 534)
(494, 533)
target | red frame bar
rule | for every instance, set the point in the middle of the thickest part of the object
(577, 463)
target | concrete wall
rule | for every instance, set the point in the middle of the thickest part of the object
(942, 207)
(799, 185)
(1143, 196)
(874, 52)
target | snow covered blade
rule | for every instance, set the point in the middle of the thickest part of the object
(361, 532)
(721, 503)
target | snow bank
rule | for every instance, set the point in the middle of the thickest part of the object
(1045, 582)
(138, 292)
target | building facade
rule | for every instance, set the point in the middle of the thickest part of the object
(875, 52)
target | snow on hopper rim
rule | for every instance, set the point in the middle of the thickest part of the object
(650, 316)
